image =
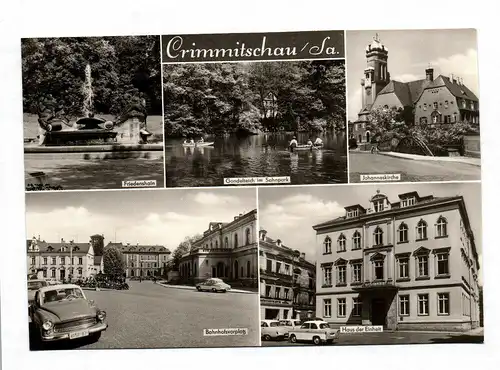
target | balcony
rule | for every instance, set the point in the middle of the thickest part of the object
(376, 285)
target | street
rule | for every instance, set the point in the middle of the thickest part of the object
(392, 338)
(151, 316)
(410, 170)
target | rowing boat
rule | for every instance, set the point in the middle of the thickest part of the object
(199, 144)
(306, 147)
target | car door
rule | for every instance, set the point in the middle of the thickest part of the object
(205, 285)
(264, 328)
(313, 330)
(302, 331)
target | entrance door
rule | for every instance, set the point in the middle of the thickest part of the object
(235, 270)
(378, 312)
(367, 136)
(62, 275)
(214, 272)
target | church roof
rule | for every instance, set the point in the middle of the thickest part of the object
(407, 92)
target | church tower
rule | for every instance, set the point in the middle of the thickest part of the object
(376, 74)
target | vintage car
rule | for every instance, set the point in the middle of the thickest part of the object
(290, 324)
(213, 285)
(63, 312)
(271, 329)
(315, 331)
(33, 286)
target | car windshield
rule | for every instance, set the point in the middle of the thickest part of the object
(324, 326)
(35, 285)
(274, 324)
(62, 294)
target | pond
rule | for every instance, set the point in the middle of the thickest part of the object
(256, 156)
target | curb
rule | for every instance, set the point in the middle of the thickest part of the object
(428, 159)
(193, 288)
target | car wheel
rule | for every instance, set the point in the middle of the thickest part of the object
(214, 290)
(293, 338)
(223, 290)
(267, 337)
(316, 340)
(198, 289)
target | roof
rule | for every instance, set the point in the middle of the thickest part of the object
(44, 247)
(458, 90)
(134, 248)
(407, 92)
(58, 286)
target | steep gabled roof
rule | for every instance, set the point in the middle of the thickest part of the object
(459, 91)
(78, 248)
(407, 92)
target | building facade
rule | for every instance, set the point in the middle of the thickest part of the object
(410, 264)
(143, 260)
(226, 250)
(440, 100)
(287, 281)
(60, 261)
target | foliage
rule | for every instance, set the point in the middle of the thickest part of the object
(184, 247)
(40, 187)
(228, 97)
(121, 66)
(114, 263)
(442, 135)
(98, 244)
(385, 124)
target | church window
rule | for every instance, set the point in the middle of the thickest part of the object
(435, 105)
(425, 106)
(446, 103)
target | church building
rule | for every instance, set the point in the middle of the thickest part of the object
(433, 100)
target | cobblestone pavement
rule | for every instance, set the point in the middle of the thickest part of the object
(410, 170)
(151, 316)
(393, 338)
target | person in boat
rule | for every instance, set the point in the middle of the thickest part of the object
(293, 143)
(185, 142)
(191, 142)
(309, 142)
(318, 142)
(201, 141)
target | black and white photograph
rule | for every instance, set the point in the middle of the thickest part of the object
(413, 105)
(142, 269)
(371, 264)
(92, 113)
(278, 119)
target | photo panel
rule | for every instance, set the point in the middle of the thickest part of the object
(371, 264)
(413, 101)
(92, 113)
(255, 109)
(142, 269)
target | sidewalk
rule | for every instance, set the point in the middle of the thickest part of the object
(187, 287)
(465, 160)
(477, 332)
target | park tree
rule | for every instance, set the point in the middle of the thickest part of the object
(184, 247)
(386, 123)
(114, 262)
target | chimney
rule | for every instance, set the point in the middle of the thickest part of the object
(303, 256)
(451, 77)
(278, 242)
(429, 74)
(262, 234)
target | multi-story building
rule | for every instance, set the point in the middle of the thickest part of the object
(440, 100)
(410, 264)
(287, 281)
(61, 261)
(226, 250)
(143, 260)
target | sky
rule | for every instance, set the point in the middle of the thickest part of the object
(288, 213)
(410, 53)
(162, 217)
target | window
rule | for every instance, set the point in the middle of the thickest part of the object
(62, 260)
(423, 120)
(33, 260)
(235, 241)
(44, 260)
(248, 269)
(327, 307)
(80, 260)
(441, 227)
(52, 273)
(356, 272)
(422, 266)
(268, 291)
(287, 269)
(356, 240)
(53, 260)
(378, 236)
(277, 292)
(425, 106)
(327, 276)
(356, 307)
(269, 265)
(378, 205)
(341, 274)
(341, 307)
(407, 202)
(327, 245)
(435, 105)
(216, 244)
(226, 242)
(403, 267)
(442, 264)
(247, 237)
(446, 103)
(341, 243)
(403, 233)
(404, 305)
(353, 213)
(421, 230)
(423, 304)
(379, 269)
(286, 293)
(443, 303)
(44, 273)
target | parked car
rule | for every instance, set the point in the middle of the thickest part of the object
(63, 312)
(271, 329)
(33, 286)
(213, 285)
(52, 281)
(317, 332)
(290, 324)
